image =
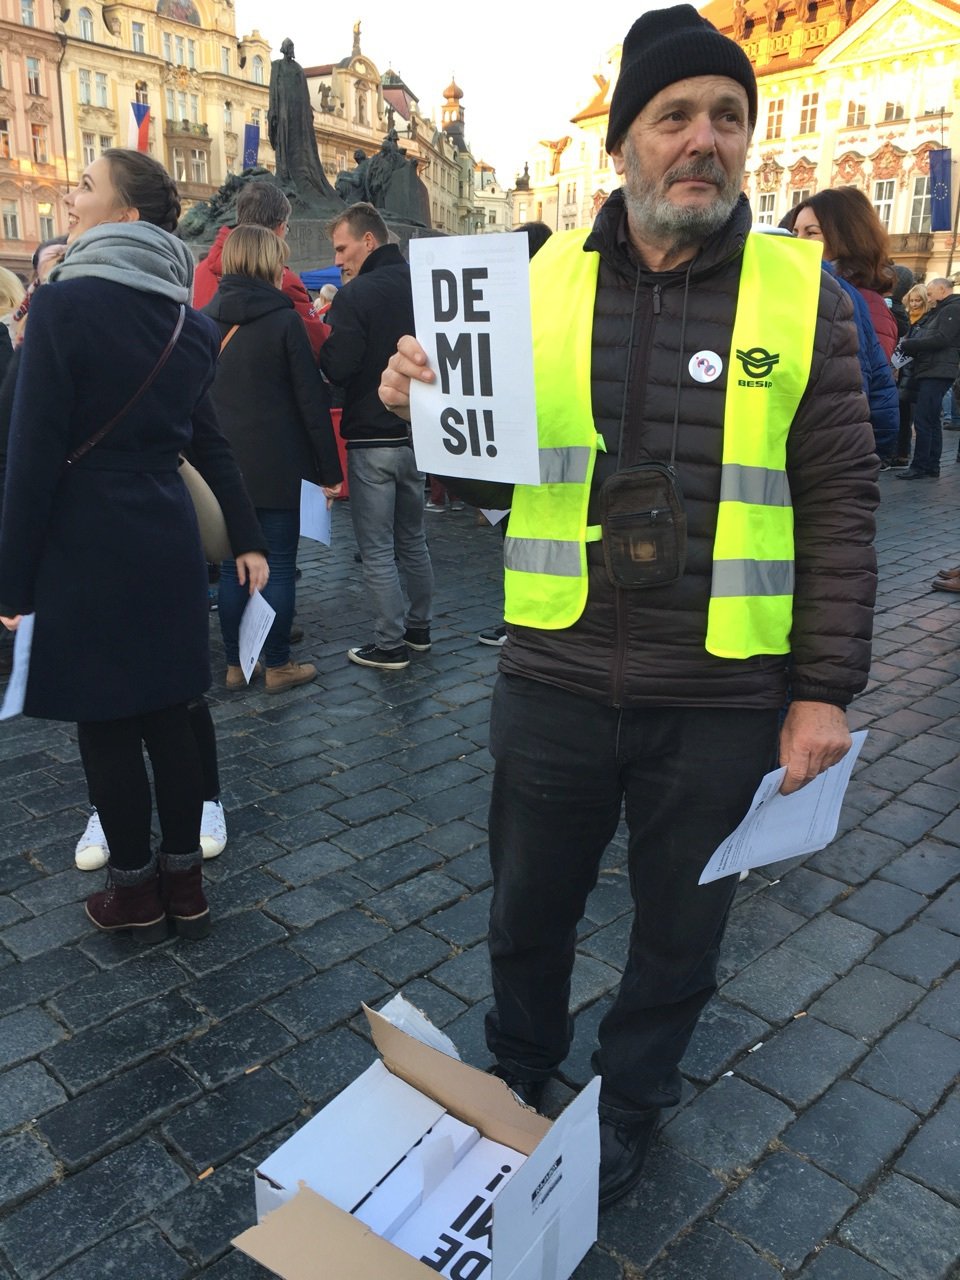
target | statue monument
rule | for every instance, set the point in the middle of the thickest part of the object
(291, 132)
(352, 183)
(389, 181)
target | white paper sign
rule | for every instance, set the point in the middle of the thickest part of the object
(778, 826)
(257, 620)
(471, 301)
(17, 685)
(314, 513)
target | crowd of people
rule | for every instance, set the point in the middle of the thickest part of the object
(688, 590)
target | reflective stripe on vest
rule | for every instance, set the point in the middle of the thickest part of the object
(751, 594)
(545, 554)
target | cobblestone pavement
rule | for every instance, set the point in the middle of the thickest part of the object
(819, 1135)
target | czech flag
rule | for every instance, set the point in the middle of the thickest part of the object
(138, 137)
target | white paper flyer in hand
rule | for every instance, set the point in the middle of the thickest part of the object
(471, 302)
(16, 692)
(257, 620)
(314, 513)
(778, 826)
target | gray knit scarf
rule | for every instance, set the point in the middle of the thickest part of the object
(136, 254)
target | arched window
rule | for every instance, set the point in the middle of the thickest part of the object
(258, 70)
(85, 19)
(141, 92)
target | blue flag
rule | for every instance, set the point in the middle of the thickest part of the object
(941, 218)
(251, 145)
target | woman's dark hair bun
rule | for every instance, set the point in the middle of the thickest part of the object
(142, 183)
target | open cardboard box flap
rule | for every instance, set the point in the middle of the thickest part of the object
(471, 1095)
(544, 1220)
(308, 1238)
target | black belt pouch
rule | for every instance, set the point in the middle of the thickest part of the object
(644, 526)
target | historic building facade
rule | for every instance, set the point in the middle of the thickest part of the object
(494, 204)
(33, 164)
(850, 92)
(357, 107)
(70, 75)
(182, 58)
(853, 93)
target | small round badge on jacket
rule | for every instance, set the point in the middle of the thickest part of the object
(705, 366)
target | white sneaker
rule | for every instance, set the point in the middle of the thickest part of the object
(92, 851)
(213, 829)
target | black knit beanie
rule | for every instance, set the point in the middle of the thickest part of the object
(667, 45)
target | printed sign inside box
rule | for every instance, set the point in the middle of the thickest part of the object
(452, 1231)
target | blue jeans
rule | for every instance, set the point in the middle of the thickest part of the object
(564, 768)
(386, 505)
(949, 415)
(282, 532)
(927, 427)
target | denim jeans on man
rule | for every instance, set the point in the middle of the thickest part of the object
(927, 427)
(386, 506)
(282, 532)
(564, 766)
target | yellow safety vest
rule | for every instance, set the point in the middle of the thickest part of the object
(771, 348)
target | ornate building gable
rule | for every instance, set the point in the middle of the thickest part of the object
(848, 170)
(921, 157)
(892, 27)
(769, 173)
(888, 162)
(803, 175)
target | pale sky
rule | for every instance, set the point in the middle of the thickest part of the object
(525, 66)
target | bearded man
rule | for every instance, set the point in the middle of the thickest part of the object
(699, 549)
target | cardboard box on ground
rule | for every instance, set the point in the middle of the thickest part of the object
(469, 1182)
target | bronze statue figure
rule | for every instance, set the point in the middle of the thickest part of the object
(291, 132)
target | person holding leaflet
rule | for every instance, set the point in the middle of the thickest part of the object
(99, 538)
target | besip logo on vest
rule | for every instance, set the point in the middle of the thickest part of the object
(757, 365)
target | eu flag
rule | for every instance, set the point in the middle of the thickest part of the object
(940, 212)
(251, 145)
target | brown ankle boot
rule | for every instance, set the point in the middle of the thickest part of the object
(134, 906)
(181, 890)
(289, 676)
(234, 678)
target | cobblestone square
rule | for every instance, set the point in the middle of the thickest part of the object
(817, 1136)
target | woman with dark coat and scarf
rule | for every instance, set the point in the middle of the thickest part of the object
(274, 408)
(99, 538)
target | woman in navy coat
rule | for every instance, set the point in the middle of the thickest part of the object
(274, 408)
(104, 548)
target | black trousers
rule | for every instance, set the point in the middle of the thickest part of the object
(112, 755)
(564, 768)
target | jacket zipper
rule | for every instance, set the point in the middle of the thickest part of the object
(620, 655)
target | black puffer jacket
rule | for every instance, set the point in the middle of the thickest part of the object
(631, 648)
(368, 317)
(272, 403)
(934, 342)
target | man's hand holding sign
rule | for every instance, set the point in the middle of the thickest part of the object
(476, 418)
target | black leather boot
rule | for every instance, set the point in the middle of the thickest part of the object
(625, 1138)
(528, 1090)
